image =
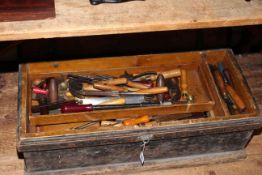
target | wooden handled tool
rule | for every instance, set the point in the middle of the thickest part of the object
(172, 73)
(108, 87)
(52, 90)
(117, 101)
(137, 85)
(184, 85)
(220, 82)
(155, 90)
(236, 98)
(88, 87)
(116, 81)
(168, 74)
(160, 82)
(135, 121)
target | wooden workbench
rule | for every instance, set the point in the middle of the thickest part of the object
(79, 18)
(252, 165)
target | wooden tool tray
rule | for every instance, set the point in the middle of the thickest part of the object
(43, 138)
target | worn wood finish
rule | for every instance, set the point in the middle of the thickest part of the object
(129, 152)
(189, 137)
(79, 18)
(18, 10)
(10, 164)
(152, 166)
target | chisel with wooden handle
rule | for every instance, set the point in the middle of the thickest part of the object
(155, 90)
(236, 98)
(135, 121)
(88, 87)
(171, 73)
(227, 89)
(105, 87)
(168, 74)
(222, 89)
(116, 81)
(137, 85)
(184, 85)
(220, 82)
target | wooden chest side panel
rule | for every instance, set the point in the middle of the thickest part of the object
(129, 152)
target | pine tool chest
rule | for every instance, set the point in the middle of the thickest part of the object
(132, 110)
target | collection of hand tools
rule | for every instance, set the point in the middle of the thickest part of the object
(223, 80)
(82, 93)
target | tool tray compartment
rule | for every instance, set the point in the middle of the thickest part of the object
(43, 139)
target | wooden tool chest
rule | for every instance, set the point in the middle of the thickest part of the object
(48, 142)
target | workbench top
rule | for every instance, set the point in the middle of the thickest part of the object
(79, 18)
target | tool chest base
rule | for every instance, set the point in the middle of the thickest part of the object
(151, 165)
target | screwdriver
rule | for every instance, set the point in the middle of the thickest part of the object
(70, 108)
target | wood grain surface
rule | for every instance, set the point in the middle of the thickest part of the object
(79, 18)
(18, 10)
(10, 164)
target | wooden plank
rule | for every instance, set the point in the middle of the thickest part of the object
(17, 10)
(79, 18)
